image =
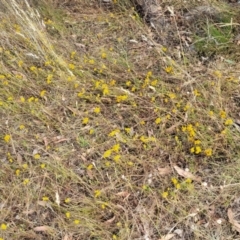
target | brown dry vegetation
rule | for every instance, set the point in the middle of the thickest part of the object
(117, 128)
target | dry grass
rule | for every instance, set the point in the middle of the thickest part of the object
(94, 117)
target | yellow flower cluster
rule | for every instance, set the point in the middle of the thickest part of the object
(121, 98)
(115, 148)
(196, 149)
(7, 138)
(113, 133)
(176, 183)
(169, 69)
(190, 130)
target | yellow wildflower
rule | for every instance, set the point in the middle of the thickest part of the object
(188, 180)
(20, 63)
(31, 99)
(76, 221)
(197, 142)
(192, 150)
(144, 139)
(107, 153)
(33, 68)
(71, 66)
(103, 206)
(186, 107)
(196, 93)
(45, 198)
(71, 78)
(3, 226)
(171, 95)
(67, 200)
(97, 110)
(105, 89)
(90, 167)
(113, 133)
(85, 120)
(164, 49)
(17, 172)
(73, 54)
(184, 128)
(158, 120)
(208, 152)
(97, 193)
(165, 194)
(104, 55)
(116, 158)
(210, 113)
(21, 127)
(154, 82)
(190, 130)
(129, 163)
(149, 74)
(228, 122)
(223, 114)
(107, 164)
(112, 82)
(198, 149)
(174, 181)
(121, 98)
(7, 138)
(218, 74)
(128, 83)
(36, 156)
(67, 214)
(49, 78)
(178, 186)
(169, 69)
(128, 130)
(42, 165)
(116, 148)
(47, 63)
(133, 89)
(224, 131)
(42, 93)
(22, 99)
(25, 165)
(26, 181)
(48, 22)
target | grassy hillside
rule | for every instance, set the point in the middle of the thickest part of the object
(114, 128)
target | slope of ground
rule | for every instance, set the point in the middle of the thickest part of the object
(108, 133)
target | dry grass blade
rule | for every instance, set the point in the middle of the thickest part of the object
(164, 171)
(57, 200)
(167, 237)
(67, 237)
(109, 221)
(43, 229)
(235, 223)
(187, 174)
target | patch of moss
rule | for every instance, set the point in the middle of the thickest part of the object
(216, 38)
